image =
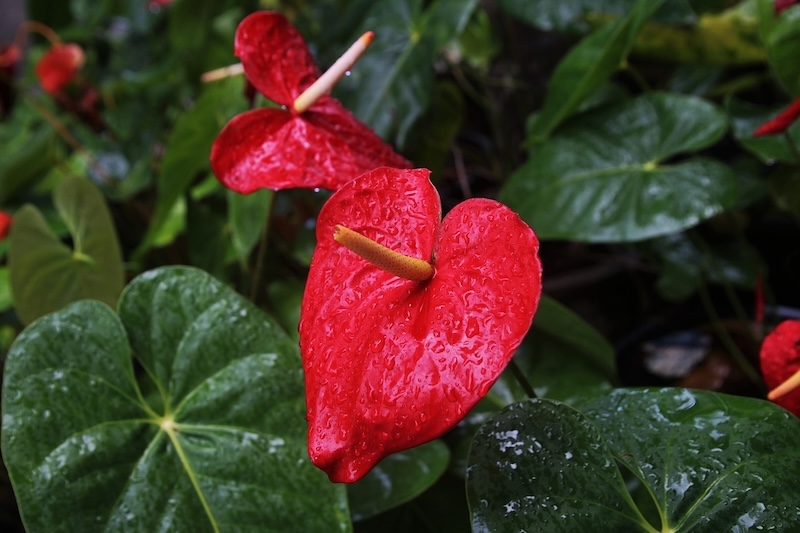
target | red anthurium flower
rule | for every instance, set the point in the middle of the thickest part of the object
(407, 320)
(780, 364)
(780, 123)
(313, 141)
(783, 5)
(58, 66)
(5, 224)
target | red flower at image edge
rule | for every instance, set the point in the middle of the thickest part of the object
(5, 224)
(780, 123)
(392, 363)
(57, 68)
(780, 360)
(322, 147)
(783, 5)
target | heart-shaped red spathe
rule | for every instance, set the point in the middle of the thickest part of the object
(58, 66)
(392, 363)
(780, 360)
(323, 147)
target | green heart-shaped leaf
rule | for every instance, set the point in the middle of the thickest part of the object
(214, 441)
(705, 462)
(399, 478)
(45, 273)
(600, 177)
(783, 47)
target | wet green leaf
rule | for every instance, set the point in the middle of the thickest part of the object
(601, 178)
(45, 273)
(220, 445)
(586, 67)
(397, 479)
(709, 462)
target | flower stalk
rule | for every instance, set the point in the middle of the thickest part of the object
(325, 83)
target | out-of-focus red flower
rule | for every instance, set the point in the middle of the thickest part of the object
(57, 68)
(780, 123)
(5, 224)
(322, 146)
(395, 355)
(9, 58)
(780, 364)
(160, 3)
(10, 55)
(783, 5)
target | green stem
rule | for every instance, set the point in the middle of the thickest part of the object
(726, 339)
(521, 379)
(255, 279)
(792, 145)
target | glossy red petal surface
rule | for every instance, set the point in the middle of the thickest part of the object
(780, 360)
(58, 66)
(276, 149)
(275, 56)
(5, 224)
(391, 363)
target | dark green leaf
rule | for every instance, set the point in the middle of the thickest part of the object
(586, 67)
(709, 462)
(399, 478)
(220, 447)
(600, 178)
(562, 357)
(745, 118)
(27, 149)
(247, 215)
(187, 151)
(391, 85)
(783, 47)
(582, 15)
(45, 273)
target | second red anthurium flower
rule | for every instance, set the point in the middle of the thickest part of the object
(407, 319)
(321, 145)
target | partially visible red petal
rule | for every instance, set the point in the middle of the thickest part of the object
(360, 147)
(257, 149)
(780, 123)
(780, 359)
(5, 224)
(58, 66)
(391, 363)
(275, 149)
(275, 56)
(783, 5)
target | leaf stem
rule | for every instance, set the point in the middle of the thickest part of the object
(263, 240)
(725, 337)
(519, 375)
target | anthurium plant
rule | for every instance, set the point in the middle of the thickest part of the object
(394, 265)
